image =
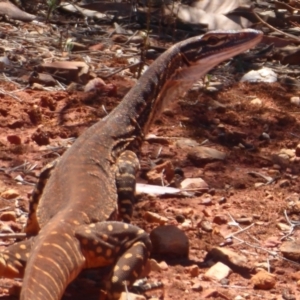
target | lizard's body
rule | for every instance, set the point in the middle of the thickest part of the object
(73, 216)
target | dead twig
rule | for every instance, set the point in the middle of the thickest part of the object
(239, 231)
(293, 224)
(11, 95)
(267, 178)
(273, 28)
(13, 235)
(121, 69)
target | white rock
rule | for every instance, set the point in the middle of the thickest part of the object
(217, 272)
(295, 100)
(256, 101)
(258, 184)
(193, 183)
(10, 194)
(152, 217)
(289, 152)
(283, 226)
(239, 297)
(262, 75)
(131, 296)
(265, 136)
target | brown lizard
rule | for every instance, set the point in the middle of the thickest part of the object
(74, 219)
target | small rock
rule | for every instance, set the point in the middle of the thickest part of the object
(131, 296)
(154, 265)
(294, 207)
(238, 297)
(197, 287)
(271, 241)
(206, 201)
(294, 159)
(10, 194)
(187, 212)
(217, 272)
(265, 136)
(187, 224)
(288, 295)
(8, 216)
(274, 172)
(295, 275)
(95, 85)
(163, 266)
(269, 196)
(262, 75)
(288, 152)
(5, 229)
(222, 200)
(281, 159)
(261, 266)
(200, 155)
(205, 225)
(280, 271)
(212, 192)
(297, 151)
(180, 218)
(295, 101)
(284, 183)
(263, 280)
(244, 221)
(152, 138)
(186, 143)
(216, 121)
(256, 101)
(152, 217)
(211, 294)
(227, 242)
(224, 281)
(291, 250)
(228, 257)
(194, 270)
(258, 184)
(283, 226)
(169, 240)
(194, 183)
(41, 137)
(168, 112)
(220, 219)
(207, 212)
(14, 139)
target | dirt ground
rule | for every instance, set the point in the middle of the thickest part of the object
(231, 189)
(37, 126)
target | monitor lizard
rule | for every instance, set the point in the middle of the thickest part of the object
(74, 222)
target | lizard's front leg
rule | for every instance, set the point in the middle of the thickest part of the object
(127, 166)
(123, 246)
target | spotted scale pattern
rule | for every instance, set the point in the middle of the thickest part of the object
(32, 226)
(127, 166)
(125, 246)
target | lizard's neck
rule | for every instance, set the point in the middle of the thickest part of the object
(173, 73)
